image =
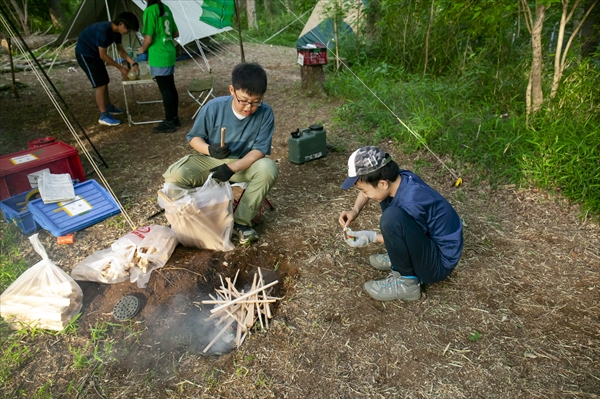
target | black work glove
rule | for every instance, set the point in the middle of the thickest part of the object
(216, 151)
(222, 173)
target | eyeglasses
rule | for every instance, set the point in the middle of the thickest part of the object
(253, 104)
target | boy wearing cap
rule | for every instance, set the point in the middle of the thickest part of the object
(421, 231)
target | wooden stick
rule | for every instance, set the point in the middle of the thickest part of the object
(241, 298)
(220, 302)
(236, 276)
(218, 335)
(222, 137)
(163, 196)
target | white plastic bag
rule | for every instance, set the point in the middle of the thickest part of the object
(202, 217)
(44, 296)
(132, 257)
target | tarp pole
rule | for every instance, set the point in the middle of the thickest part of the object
(237, 14)
(12, 68)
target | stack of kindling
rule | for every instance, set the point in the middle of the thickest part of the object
(51, 309)
(44, 296)
(243, 308)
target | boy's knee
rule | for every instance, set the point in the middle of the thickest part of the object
(267, 169)
(392, 219)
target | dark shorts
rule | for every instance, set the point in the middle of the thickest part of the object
(95, 70)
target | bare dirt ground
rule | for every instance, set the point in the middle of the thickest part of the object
(518, 318)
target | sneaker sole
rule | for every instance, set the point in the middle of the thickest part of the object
(376, 296)
(373, 262)
(108, 124)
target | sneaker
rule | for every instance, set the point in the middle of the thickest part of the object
(165, 127)
(245, 234)
(176, 122)
(380, 261)
(113, 110)
(394, 286)
(108, 120)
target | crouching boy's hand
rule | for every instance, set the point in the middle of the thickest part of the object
(360, 238)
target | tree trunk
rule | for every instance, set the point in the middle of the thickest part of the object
(560, 59)
(427, 36)
(373, 16)
(22, 15)
(56, 14)
(537, 95)
(251, 14)
(268, 11)
(313, 80)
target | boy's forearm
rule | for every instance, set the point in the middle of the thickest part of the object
(360, 202)
(199, 145)
(245, 162)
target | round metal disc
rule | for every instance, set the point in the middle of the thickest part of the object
(126, 308)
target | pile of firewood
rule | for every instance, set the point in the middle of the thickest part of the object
(244, 308)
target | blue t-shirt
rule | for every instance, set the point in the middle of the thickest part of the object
(96, 35)
(433, 213)
(254, 132)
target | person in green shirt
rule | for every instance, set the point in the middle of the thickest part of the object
(159, 30)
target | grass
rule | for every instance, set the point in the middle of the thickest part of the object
(11, 262)
(557, 150)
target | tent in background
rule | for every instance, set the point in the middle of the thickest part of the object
(185, 12)
(320, 27)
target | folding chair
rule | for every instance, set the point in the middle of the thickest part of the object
(258, 218)
(200, 90)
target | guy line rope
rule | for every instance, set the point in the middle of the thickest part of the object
(458, 180)
(66, 120)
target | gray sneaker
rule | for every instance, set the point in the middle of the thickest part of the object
(245, 234)
(380, 261)
(394, 286)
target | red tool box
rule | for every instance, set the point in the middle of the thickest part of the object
(57, 156)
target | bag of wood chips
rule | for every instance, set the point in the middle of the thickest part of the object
(132, 257)
(44, 296)
(201, 218)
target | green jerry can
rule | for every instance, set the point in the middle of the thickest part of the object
(307, 144)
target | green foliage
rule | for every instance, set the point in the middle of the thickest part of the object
(12, 265)
(13, 353)
(479, 123)
(474, 336)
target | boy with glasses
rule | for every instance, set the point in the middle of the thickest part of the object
(249, 127)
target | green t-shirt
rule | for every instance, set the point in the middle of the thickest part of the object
(161, 52)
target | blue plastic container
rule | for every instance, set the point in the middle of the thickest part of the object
(14, 209)
(58, 222)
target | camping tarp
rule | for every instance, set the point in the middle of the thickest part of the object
(185, 12)
(320, 27)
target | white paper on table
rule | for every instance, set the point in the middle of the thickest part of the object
(56, 188)
(23, 158)
(35, 176)
(76, 207)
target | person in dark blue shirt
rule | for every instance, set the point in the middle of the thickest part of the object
(420, 229)
(91, 52)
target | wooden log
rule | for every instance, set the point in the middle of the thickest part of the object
(313, 80)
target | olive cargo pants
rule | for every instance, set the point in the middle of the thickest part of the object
(192, 171)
